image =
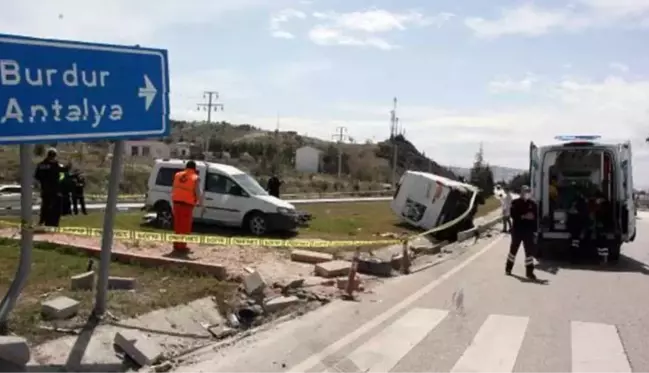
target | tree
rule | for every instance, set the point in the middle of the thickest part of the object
(481, 175)
(518, 181)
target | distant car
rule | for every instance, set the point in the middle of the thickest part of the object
(10, 197)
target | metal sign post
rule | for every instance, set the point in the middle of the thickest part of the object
(26, 236)
(53, 90)
(107, 239)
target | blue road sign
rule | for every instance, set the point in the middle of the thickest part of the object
(53, 90)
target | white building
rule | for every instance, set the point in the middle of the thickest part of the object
(307, 159)
(146, 149)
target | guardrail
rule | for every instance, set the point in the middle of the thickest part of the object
(308, 195)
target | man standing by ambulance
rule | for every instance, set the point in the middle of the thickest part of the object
(523, 213)
(185, 194)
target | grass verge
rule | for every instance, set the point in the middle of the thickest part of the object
(52, 268)
(334, 221)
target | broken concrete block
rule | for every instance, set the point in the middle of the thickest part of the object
(59, 308)
(138, 347)
(253, 283)
(376, 266)
(311, 257)
(298, 283)
(121, 283)
(280, 303)
(334, 268)
(14, 350)
(84, 281)
(221, 331)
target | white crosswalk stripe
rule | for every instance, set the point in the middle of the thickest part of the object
(495, 347)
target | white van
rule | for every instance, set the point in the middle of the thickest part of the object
(231, 198)
(581, 165)
(427, 200)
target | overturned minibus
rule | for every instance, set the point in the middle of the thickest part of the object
(426, 201)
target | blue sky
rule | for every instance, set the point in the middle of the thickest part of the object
(499, 72)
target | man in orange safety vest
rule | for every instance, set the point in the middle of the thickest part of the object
(185, 195)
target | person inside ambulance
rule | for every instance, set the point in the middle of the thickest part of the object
(578, 217)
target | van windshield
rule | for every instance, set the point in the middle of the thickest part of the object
(249, 184)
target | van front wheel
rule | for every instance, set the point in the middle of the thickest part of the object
(163, 216)
(257, 224)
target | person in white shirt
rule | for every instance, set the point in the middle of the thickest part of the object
(506, 204)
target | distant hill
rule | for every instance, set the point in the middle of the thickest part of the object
(500, 173)
(368, 161)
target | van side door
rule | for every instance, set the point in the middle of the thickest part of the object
(224, 200)
(627, 190)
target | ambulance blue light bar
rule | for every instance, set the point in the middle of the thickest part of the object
(577, 138)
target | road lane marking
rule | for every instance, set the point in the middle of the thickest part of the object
(597, 348)
(386, 349)
(310, 362)
(496, 345)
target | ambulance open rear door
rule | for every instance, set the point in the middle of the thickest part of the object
(626, 181)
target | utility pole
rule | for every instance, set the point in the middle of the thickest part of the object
(340, 136)
(210, 106)
(394, 131)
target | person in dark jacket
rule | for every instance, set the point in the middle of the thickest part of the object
(48, 175)
(66, 191)
(78, 198)
(274, 183)
(524, 217)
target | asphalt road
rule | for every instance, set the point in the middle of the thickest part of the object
(466, 315)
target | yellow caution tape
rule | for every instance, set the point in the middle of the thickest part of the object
(123, 234)
(448, 224)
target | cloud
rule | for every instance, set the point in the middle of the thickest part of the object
(359, 28)
(531, 20)
(115, 21)
(614, 107)
(620, 67)
(280, 18)
(505, 84)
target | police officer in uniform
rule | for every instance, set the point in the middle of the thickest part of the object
(48, 174)
(524, 214)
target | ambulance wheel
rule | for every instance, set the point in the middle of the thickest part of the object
(257, 224)
(164, 217)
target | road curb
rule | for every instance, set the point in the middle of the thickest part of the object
(210, 269)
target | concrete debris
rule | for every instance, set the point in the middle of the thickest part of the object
(279, 303)
(341, 283)
(376, 266)
(221, 331)
(59, 308)
(431, 249)
(138, 347)
(310, 257)
(84, 281)
(233, 320)
(121, 283)
(160, 368)
(14, 350)
(254, 283)
(334, 268)
(390, 235)
(295, 284)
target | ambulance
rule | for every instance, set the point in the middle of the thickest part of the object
(582, 166)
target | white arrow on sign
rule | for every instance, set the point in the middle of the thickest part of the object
(148, 92)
